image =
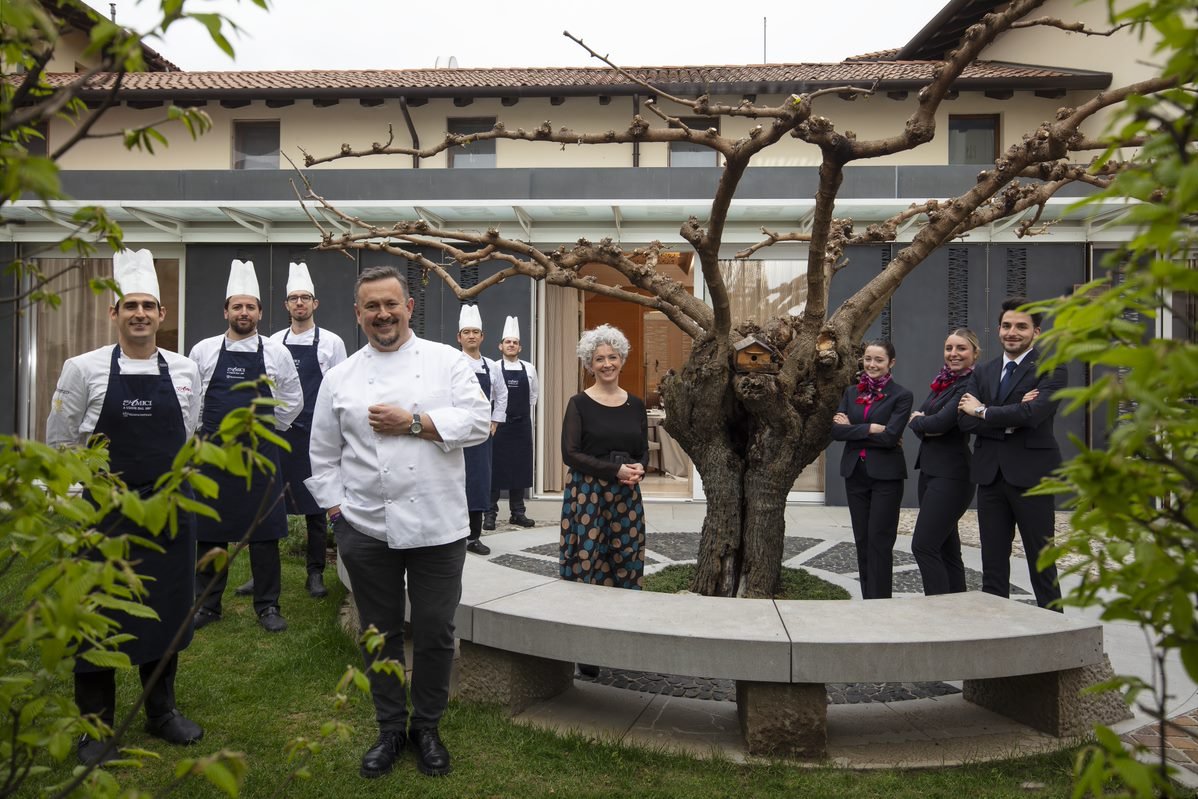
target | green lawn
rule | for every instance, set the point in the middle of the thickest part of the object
(253, 692)
(796, 583)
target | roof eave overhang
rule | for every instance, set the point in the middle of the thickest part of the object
(1071, 82)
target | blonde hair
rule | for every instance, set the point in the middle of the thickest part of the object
(969, 336)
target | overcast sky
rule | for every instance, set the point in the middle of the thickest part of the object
(388, 34)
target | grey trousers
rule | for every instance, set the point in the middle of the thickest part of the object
(433, 577)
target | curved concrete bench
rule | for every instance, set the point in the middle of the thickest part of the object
(521, 635)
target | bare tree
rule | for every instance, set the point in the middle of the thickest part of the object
(750, 435)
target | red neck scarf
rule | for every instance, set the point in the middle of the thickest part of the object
(869, 389)
(947, 377)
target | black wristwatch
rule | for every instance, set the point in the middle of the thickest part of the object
(415, 428)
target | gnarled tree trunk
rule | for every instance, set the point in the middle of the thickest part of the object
(749, 435)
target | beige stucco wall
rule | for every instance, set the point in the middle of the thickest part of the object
(321, 131)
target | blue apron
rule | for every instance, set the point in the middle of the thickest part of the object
(478, 458)
(512, 461)
(237, 506)
(296, 465)
(143, 423)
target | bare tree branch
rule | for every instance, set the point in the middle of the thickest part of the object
(1072, 27)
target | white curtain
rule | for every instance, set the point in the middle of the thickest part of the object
(559, 374)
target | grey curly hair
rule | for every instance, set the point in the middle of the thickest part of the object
(592, 340)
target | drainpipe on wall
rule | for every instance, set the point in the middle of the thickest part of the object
(636, 145)
(407, 116)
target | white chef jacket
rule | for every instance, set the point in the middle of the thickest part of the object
(498, 386)
(407, 491)
(83, 385)
(534, 383)
(280, 368)
(329, 352)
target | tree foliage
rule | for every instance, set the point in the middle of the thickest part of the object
(1135, 508)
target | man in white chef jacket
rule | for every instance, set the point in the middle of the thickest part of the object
(315, 351)
(146, 402)
(227, 360)
(387, 460)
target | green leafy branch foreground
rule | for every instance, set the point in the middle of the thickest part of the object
(1135, 518)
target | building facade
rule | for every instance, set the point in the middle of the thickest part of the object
(230, 194)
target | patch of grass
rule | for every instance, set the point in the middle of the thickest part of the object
(253, 692)
(796, 583)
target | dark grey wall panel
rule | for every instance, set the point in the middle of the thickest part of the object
(333, 275)
(204, 288)
(617, 183)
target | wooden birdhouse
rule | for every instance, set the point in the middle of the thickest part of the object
(754, 355)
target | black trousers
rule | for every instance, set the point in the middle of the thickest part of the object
(476, 525)
(1002, 507)
(874, 511)
(318, 542)
(515, 501)
(433, 576)
(95, 691)
(936, 543)
(264, 568)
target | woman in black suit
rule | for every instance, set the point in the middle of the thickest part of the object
(945, 489)
(870, 421)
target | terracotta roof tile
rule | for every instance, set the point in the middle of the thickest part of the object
(572, 80)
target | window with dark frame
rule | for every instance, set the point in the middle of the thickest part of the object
(256, 145)
(972, 138)
(39, 145)
(476, 154)
(684, 154)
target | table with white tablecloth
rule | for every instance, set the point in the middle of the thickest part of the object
(667, 456)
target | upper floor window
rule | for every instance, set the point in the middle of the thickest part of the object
(476, 154)
(972, 138)
(256, 145)
(683, 153)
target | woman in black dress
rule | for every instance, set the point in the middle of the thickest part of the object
(605, 444)
(870, 421)
(945, 489)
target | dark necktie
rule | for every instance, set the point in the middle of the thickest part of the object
(1006, 375)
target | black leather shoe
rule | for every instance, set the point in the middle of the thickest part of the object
(175, 728)
(476, 546)
(245, 589)
(522, 521)
(204, 617)
(432, 758)
(91, 751)
(380, 758)
(488, 521)
(272, 621)
(316, 585)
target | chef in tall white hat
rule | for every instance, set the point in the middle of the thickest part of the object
(145, 401)
(478, 457)
(512, 459)
(314, 350)
(225, 361)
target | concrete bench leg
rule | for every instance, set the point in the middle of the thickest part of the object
(1052, 702)
(511, 679)
(786, 720)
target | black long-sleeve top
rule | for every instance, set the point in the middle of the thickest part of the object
(591, 430)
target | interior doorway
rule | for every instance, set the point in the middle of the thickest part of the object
(657, 346)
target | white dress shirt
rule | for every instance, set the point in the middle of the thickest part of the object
(534, 383)
(407, 491)
(498, 386)
(280, 368)
(83, 385)
(329, 352)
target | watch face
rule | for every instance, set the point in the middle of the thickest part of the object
(416, 427)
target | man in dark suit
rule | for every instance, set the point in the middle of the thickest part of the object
(1011, 410)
